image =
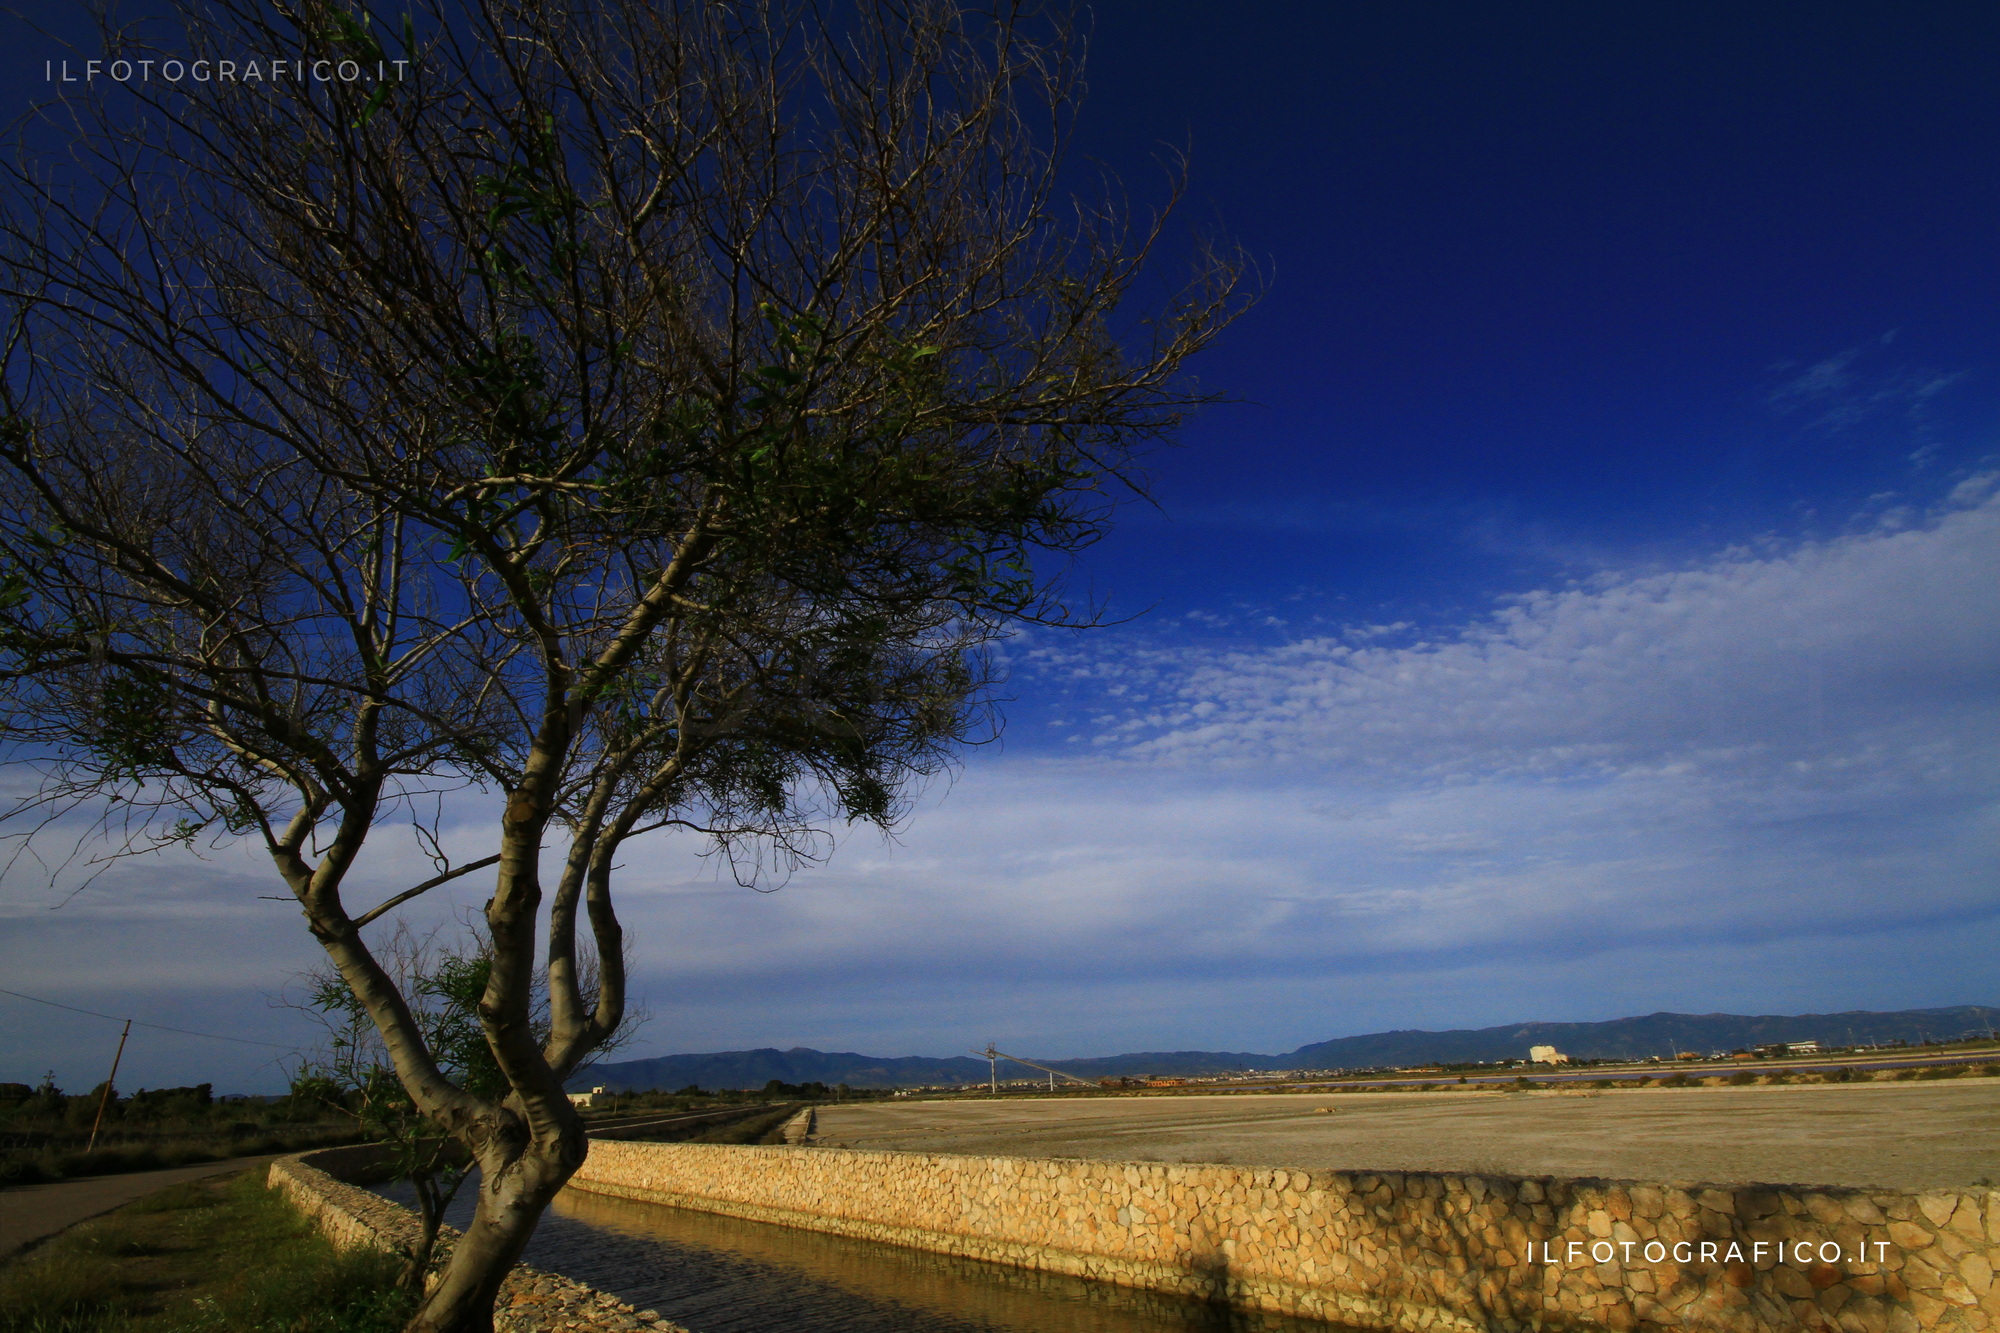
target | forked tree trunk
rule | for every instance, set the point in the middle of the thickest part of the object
(512, 1196)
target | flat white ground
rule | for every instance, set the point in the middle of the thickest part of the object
(1927, 1135)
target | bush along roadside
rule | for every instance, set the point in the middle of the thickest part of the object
(30, 1164)
(46, 1134)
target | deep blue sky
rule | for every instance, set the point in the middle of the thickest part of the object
(1588, 607)
(1538, 270)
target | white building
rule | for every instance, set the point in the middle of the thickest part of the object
(1546, 1055)
(1802, 1048)
(588, 1099)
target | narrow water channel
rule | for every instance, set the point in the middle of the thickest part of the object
(716, 1274)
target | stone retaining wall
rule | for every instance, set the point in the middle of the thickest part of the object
(530, 1301)
(1391, 1250)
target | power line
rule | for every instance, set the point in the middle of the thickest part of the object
(157, 1027)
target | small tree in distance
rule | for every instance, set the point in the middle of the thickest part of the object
(645, 410)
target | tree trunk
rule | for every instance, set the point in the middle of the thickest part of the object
(429, 1218)
(512, 1196)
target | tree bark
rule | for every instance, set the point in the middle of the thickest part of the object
(514, 1188)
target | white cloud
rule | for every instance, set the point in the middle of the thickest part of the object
(1808, 655)
(1767, 781)
(1786, 747)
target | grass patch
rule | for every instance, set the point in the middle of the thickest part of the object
(211, 1256)
(769, 1128)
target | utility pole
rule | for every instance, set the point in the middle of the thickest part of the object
(994, 1057)
(105, 1100)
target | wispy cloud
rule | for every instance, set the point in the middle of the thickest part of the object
(1835, 393)
(1751, 658)
(1768, 753)
(1766, 780)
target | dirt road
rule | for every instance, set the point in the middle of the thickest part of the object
(1896, 1135)
(29, 1213)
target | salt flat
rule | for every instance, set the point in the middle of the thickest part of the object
(1922, 1135)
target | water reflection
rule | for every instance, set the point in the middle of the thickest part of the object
(724, 1275)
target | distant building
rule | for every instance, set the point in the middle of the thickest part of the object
(1802, 1048)
(1546, 1055)
(589, 1099)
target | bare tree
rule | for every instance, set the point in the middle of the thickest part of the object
(647, 410)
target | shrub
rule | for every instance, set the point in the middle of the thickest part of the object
(1742, 1078)
(26, 1165)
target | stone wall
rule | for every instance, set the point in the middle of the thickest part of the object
(530, 1301)
(1402, 1250)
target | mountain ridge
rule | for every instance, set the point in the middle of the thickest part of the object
(1660, 1033)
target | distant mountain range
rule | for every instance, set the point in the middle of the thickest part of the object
(1621, 1038)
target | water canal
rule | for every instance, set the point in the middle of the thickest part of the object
(716, 1274)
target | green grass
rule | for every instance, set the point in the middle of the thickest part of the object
(757, 1129)
(213, 1256)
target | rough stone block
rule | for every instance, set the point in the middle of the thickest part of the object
(1938, 1207)
(1927, 1309)
(1909, 1236)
